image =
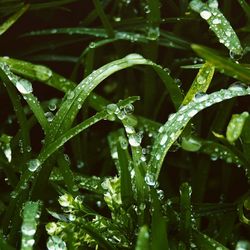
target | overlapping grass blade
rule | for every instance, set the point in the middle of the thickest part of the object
(25, 88)
(201, 82)
(45, 75)
(218, 24)
(224, 65)
(31, 214)
(172, 129)
(11, 20)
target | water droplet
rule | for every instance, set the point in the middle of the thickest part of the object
(28, 229)
(135, 139)
(56, 243)
(201, 79)
(205, 14)
(70, 95)
(49, 116)
(150, 180)
(192, 113)
(216, 21)
(24, 86)
(153, 33)
(33, 165)
(134, 57)
(129, 108)
(200, 96)
(237, 86)
(164, 139)
(92, 45)
(52, 106)
(112, 108)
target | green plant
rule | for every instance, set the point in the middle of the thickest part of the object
(125, 131)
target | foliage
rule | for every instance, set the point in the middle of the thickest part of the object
(124, 124)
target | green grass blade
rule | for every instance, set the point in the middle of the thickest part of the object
(106, 24)
(185, 212)
(201, 82)
(218, 24)
(11, 20)
(21, 117)
(246, 7)
(70, 107)
(50, 4)
(25, 88)
(224, 65)
(159, 235)
(143, 239)
(31, 213)
(45, 75)
(202, 241)
(3, 244)
(172, 129)
(154, 19)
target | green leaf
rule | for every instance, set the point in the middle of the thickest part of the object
(223, 64)
(218, 24)
(143, 239)
(31, 213)
(203, 241)
(201, 82)
(172, 129)
(235, 126)
(11, 20)
(185, 212)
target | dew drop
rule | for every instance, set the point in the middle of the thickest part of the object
(24, 86)
(164, 139)
(33, 165)
(135, 140)
(150, 180)
(205, 14)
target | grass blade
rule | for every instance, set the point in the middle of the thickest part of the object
(143, 239)
(172, 129)
(11, 20)
(201, 82)
(224, 65)
(31, 213)
(218, 24)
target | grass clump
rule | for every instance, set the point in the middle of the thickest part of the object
(125, 125)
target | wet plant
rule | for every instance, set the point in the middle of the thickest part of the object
(124, 125)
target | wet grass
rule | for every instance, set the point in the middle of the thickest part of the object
(124, 125)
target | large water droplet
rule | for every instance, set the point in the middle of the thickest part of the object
(24, 86)
(164, 139)
(135, 139)
(205, 14)
(112, 108)
(150, 180)
(33, 165)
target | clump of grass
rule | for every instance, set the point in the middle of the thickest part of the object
(121, 130)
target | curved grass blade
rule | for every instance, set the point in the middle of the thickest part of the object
(172, 129)
(70, 107)
(11, 20)
(31, 213)
(49, 149)
(218, 24)
(25, 138)
(223, 64)
(50, 4)
(44, 74)
(201, 82)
